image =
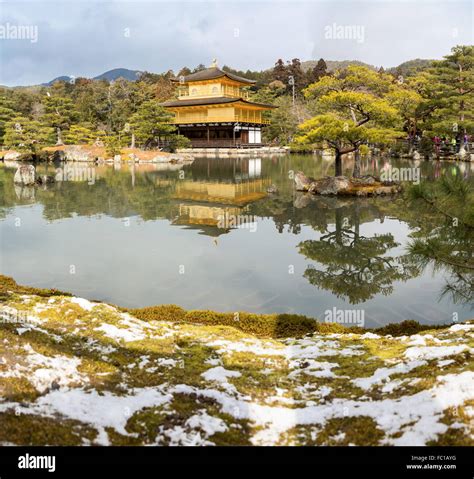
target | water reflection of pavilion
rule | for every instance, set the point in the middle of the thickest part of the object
(218, 192)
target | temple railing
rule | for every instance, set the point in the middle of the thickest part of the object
(220, 119)
(222, 143)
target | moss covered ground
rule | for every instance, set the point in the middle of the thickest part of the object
(75, 372)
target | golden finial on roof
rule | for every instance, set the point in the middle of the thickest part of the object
(214, 63)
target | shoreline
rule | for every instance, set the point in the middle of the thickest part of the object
(273, 325)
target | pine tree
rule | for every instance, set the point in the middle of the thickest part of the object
(453, 102)
(354, 110)
(82, 134)
(280, 72)
(317, 72)
(59, 114)
(446, 242)
(27, 135)
(150, 123)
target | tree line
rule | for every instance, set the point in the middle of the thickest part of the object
(345, 110)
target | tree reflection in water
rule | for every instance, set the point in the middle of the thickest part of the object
(350, 265)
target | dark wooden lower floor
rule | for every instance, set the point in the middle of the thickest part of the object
(222, 136)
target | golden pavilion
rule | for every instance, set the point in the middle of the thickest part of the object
(213, 110)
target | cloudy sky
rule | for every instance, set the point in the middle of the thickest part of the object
(86, 38)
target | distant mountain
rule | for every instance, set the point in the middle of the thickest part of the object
(407, 68)
(335, 65)
(111, 75)
(116, 73)
(410, 67)
(61, 78)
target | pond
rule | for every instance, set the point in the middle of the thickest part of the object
(209, 236)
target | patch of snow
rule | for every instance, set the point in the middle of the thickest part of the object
(461, 327)
(213, 361)
(118, 334)
(169, 362)
(255, 347)
(383, 374)
(208, 424)
(416, 416)
(445, 362)
(59, 369)
(339, 437)
(42, 371)
(102, 410)
(370, 336)
(433, 352)
(417, 340)
(83, 303)
(219, 374)
(195, 431)
(319, 369)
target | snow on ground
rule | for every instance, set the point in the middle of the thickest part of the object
(383, 374)
(196, 430)
(435, 352)
(84, 303)
(44, 372)
(220, 375)
(158, 382)
(119, 334)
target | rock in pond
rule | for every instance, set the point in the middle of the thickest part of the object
(25, 175)
(330, 185)
(45, 180)
(341, 185)
(302, 181)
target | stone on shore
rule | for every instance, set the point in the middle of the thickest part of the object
(462, 154)
(11, 155)
(98, 154)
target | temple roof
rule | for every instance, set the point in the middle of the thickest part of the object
(211, 74)
(211, 101)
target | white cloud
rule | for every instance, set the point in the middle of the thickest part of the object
(88, 37)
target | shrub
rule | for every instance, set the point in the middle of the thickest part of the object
(406, 328)
(113, 145)
(364, 150)
(8, 285)
(302, 148)
(261, 325)
(177, 142)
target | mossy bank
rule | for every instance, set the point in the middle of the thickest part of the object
(77, 372)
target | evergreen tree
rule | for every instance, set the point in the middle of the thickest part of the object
(27, 135)
(294, 69)
(6, 114)
(316, 73)
(59, 114)
(82, 134)
(150, 123)
(446, 242)
(280, 72)
(453, 103)
(354, 110)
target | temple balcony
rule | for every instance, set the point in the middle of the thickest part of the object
(192, 119)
